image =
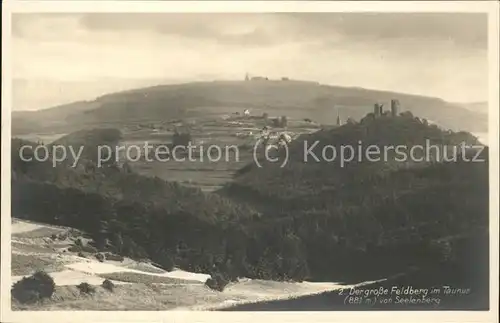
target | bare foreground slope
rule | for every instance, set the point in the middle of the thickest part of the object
(138, 285)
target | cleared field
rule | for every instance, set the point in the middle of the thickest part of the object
(98, 268)
(144, 267)
(45, 138)
(234, 137)
(19, 227)
(140, 278)
(28, 264)
(219, 126)
(18, 247)
(72, 278)
(40, 232)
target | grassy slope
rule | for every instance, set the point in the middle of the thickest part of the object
(300, 99)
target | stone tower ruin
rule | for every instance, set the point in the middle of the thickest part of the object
(394, 107)
(378, 109)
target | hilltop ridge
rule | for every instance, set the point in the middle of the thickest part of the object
(316, 157)
(299, 99)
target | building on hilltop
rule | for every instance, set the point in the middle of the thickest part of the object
(378, 109)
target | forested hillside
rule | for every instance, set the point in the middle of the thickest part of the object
(315, 221)
(389, 214)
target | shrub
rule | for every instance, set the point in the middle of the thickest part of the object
(54, 236)
(112, 256)
(100, 257)
(81, 254)
(126, 168)
(350, 121)
(442, 251)
(165, 262)
(217, 282)
(89, 249)
(75, 249)
(406, 114)
(78, 242)
(86, 288)
(181, 138)
(108, 284)
(36, 287)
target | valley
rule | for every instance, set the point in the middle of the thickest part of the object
(228, 233)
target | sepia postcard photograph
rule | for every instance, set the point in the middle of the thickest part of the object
(242, 161)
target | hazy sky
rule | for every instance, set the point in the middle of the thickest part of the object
(59, 58)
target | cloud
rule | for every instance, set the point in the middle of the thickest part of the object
(464, 29)
(232, 29)
(441, 55)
